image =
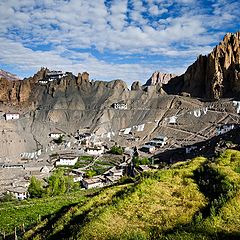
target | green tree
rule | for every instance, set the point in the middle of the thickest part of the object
(35, 188)
(59, 140)
(140, 161)
(58, 183)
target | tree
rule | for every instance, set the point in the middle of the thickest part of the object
(35, 188)
(59, 140)
(140, 161)
(58, 183)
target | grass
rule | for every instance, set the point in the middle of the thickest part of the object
(197, 199)
(31, 211)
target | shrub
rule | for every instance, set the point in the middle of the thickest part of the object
(117, 150)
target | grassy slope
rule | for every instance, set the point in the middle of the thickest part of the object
(223, 219)
(199, 199)
(158, 202)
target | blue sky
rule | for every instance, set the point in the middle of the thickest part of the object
(122, 39)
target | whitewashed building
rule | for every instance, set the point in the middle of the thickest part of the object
(96, 151)
(148, 148)
(11, 116)
(18, 192)
(54, 75)
(94, 182)
(120, 106)
(66, 161)
(43, 82)
(55, 135)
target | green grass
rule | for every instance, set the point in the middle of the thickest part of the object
(197, 199)
(29, 212)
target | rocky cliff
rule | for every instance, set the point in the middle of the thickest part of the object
(213, 76)
(159, 78)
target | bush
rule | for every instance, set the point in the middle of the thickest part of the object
(117, 150)
(90, 173)
(140, 161)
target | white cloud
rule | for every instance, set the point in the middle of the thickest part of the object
(120, 27)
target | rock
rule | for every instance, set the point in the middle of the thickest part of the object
(159, 78)
(213, 76)
(136, 86)
(8, 76)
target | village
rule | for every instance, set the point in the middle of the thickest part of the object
(97, 160)
(82, 153)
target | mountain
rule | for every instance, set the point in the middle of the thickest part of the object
(214, 76)
(52, 99)
(159, 78)
(8, 76)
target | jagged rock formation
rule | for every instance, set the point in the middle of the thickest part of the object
(159, 78)
(136, 86)
(213, 76)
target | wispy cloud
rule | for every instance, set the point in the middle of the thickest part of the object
(97, 36)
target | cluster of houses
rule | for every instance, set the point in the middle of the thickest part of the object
(19, 187)
(154, 144)
(51, 76)
(110, 177)
(224, 129)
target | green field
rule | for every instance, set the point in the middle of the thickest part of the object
(31, 211)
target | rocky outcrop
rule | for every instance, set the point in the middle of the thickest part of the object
(213, 76)
(159, 78)
(136, 86)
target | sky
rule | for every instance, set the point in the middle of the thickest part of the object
(119, 39)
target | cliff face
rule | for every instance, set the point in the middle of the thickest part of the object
(214, 76)
(159, 78)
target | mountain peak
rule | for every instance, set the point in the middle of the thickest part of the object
(159, 78)
(213, 76)
(8, 76)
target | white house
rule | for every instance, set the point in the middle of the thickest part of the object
(55, 135)
(43, 82)
(66, 161)
(12, 116)
(54, 75)
(112, 179)
(76, 177)
(120, 106)
(144, 168)
(18, 192)
(148, 148)
(94, 182)
(95, 150)
(160, 140)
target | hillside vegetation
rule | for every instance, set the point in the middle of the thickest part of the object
(197, 199)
